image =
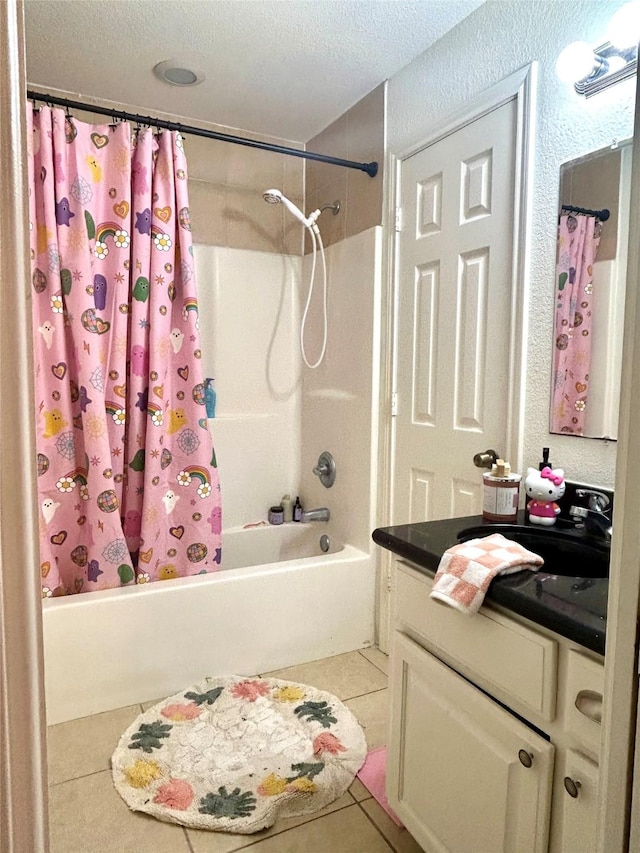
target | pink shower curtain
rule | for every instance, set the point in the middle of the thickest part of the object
(128, 488)
(578, 240)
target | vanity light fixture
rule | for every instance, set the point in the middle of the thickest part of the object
(593, 70)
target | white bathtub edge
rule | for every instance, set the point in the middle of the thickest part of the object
(134, 645)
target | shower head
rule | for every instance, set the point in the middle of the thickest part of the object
(272, 196)
(275, 197)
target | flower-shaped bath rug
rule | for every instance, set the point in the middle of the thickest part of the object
(233, 754)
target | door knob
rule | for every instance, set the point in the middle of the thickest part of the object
(572, 788)
(526, 759)
(486, 459)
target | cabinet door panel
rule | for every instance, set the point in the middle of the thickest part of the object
(576, 816)
(454, 774)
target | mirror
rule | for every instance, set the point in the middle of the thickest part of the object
(598, 181)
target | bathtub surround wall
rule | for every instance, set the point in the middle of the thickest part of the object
(249, 310)
(225, 189)
(448, 77)
(248, 294)
(340, 398)
(357, 134)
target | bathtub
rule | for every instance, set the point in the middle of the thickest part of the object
(278, 600)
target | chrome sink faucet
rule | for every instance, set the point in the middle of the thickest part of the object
(320, 514)
(593, 516)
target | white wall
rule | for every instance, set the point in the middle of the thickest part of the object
(500, 37)
(248, 316)
(340, 398)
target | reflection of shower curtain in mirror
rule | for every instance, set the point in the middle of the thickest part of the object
(578, 240)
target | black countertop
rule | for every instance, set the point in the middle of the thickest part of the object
(576, 608)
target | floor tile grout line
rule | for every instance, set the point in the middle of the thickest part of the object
(83, 776)
(374, 824)
(368, 693)
(297, 826)
(379, 668)
(186, 835)
(318, 660)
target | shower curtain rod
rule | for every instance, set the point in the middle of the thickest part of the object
(602, 215)
(370, 168)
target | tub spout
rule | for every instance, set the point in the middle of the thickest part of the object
(320, 514)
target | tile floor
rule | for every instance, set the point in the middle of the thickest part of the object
(88, 816)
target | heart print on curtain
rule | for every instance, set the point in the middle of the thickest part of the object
(128, 487)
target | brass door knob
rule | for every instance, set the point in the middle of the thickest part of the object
(486, 459)
(526, 759)
(572, 788)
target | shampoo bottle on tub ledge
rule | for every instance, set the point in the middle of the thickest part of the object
(210, 398)
(287, 505)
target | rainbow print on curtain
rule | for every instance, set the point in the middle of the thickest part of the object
(128, 484)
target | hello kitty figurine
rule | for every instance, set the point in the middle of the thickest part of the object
(544, 488)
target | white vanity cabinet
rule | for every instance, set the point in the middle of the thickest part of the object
(471, 776)
(485, 730)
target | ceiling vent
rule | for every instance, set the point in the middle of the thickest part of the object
(176, 74)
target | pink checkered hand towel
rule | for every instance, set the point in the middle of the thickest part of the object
(466, 570)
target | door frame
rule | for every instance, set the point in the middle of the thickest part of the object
(23, 762)
(519, 86)
(619, 788)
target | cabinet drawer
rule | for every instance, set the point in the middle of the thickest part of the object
(515, 664)
(583, 697)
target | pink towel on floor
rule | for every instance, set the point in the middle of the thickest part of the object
(373, 774)
(466, 570)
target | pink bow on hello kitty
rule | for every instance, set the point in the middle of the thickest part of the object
(548, 474)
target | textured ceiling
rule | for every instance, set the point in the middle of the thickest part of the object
(285, 68)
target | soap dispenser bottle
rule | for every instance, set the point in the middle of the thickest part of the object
(501, 493)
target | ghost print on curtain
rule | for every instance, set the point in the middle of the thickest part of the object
(127, 481)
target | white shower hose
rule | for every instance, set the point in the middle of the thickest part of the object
(314, 231)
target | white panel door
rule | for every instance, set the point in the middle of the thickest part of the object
(454, 316)
(463, 774)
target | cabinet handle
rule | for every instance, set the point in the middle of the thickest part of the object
(526, 759)
(572, 787)
(589, 703)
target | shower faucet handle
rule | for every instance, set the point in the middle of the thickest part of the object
(326, 469)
